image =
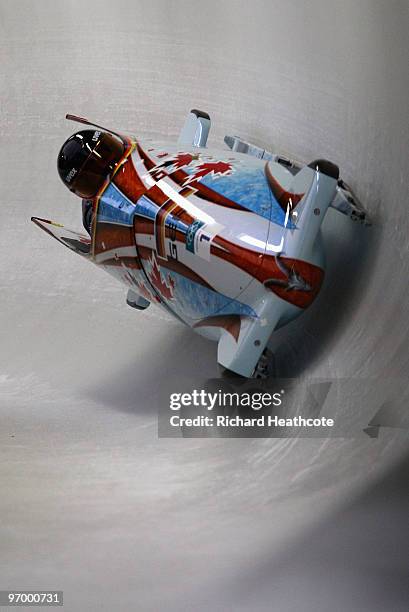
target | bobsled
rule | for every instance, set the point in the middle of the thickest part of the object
(228, 241)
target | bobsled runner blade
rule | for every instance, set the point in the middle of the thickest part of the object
(80, 243)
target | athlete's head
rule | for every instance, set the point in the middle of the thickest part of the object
(87, 159)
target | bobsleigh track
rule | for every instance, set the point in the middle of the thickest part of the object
(92, 501)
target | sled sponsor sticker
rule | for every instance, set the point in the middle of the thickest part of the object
(200, 236)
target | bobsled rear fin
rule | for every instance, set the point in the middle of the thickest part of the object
(80, 243)
(305, 200)
(196, 129)
(239, 350)
(325, 167)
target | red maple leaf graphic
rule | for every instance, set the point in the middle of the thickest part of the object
(147, 294)
(159, 282)
(218, 168)
(183, 159)
(140, 288)
(173, 163)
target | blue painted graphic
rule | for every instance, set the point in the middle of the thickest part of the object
(190, 235)
(248, 187)
(114, 207)
(195, 301)
(146, 208)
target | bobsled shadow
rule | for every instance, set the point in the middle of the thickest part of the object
(139, 386)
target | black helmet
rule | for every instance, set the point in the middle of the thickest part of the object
(87, 159)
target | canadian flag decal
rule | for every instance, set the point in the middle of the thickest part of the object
(165, 289)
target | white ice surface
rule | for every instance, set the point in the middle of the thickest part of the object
(91, 501)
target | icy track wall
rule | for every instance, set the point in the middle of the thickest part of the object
(80, 459)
